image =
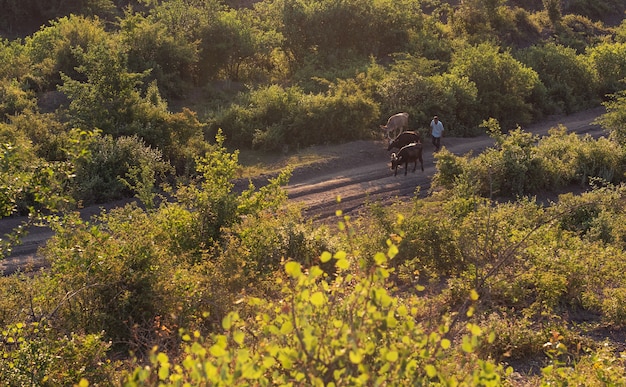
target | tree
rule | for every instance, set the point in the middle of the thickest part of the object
(170, 57)
(504, 85)
(568, 77)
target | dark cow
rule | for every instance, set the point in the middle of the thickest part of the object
(404, 138)
(408, 153)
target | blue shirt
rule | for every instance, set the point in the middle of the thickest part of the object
(436, 128)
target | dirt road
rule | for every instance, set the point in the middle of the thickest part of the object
(357, 172)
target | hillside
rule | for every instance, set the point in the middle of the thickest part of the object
(198, 193)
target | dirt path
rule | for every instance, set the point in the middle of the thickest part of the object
(357, 172)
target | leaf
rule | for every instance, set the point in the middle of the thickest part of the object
(293, 269)
(217, 350)
(343, 264)
(380, 258)
(445, 343)
(355, 357)
(287, 328)
(431, 371)
(317, 299)
(164, 371)
(238, 337)
(392, 356)
(326, 256)
(268, 361)
(475, 329)
(467, 345)
(393, 251)
(474, 295)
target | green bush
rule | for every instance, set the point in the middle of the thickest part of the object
(614, 120)
(14, 99)
(339, 332)
(52, 49)
(170, 58)
(32, 355)
(503, 84)
(272, 117)
(99, 176)
(453, 98)
(521, 163)
(569, 80)
(609, 61)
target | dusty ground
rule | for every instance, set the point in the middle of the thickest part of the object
(356, 172)
(359, 172)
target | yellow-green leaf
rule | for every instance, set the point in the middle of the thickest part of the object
(474, 295)
(238, 337)
(380, 258)
(431, 371)
(217, 351)
(392, 356)
(293, 269)
(287, 328)
(355, 357)
(164, 371)
(343, 264)
(326, 256)
(393, 251)
(317, 299)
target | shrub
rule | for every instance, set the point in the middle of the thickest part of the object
(522, 163)
(503, 84)
(271, 117)
(609, 62)
(99, 177)
(569, 81)
(614, 120)
(32, 355)
(52, 49)
(451, 97)
(170, 57)
(14, 99)
(325, 332)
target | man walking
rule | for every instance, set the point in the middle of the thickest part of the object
(436, 131)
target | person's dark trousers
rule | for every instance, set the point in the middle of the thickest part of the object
(437, 142)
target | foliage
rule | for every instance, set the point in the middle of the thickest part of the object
(100, 176)
(609, 60)
(29, 184)
(451, 96)
(521, 163)
(614, 120)
(271, 117)
(467, 283)
(330, 31)
(32, 355)
(51, 50)
(14, 99)
(503, 84)
(26, 16)
(341, 331)
(169, 58)
(568, 78)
